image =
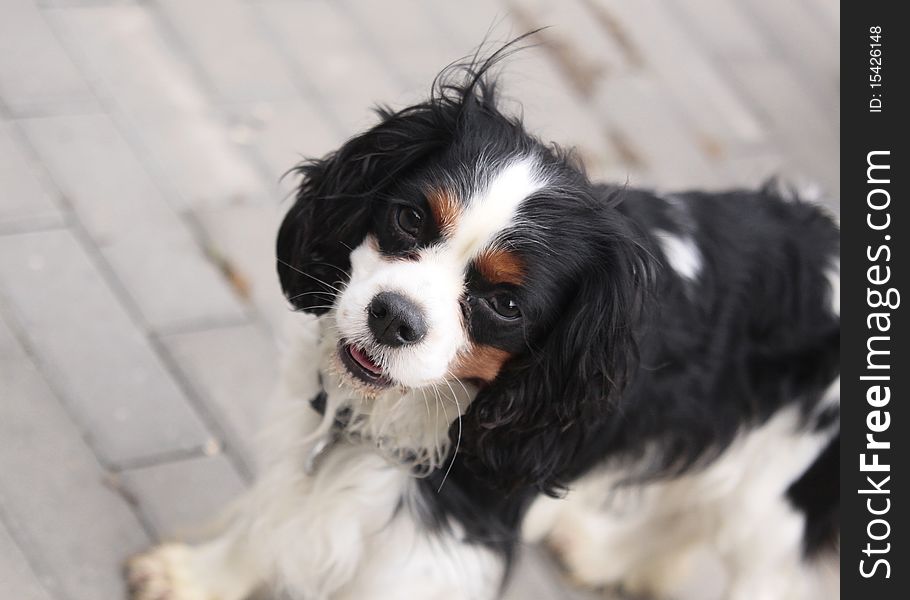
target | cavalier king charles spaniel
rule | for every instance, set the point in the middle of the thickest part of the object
(504, 352)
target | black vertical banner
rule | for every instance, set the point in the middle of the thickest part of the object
(874, 224)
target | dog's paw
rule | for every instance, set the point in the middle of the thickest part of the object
(165, 573)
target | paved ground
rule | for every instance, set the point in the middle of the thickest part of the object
(141, 144)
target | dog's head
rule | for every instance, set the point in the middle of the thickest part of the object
(449, 246)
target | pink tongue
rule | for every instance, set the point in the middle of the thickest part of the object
(364, 360)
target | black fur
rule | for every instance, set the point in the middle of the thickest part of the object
(617, 352)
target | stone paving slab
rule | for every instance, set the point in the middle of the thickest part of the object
(704, 98)
(53, 494)
(26, 201)
(281, 134)
(17, 579)
(332, 76)
(146, 242)
(233, 370)
(118, 390)
(243, 239)
(183, 499)
(37, 76)
(232, 51)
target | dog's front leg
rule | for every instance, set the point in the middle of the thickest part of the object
(220, 569)
(243, 555)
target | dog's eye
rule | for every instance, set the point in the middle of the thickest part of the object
(505, 306)
(409, 220)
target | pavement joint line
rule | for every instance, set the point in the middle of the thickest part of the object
(203, 325)
(173, 38)
(28, 552)
(11, 229)
(122, 295)
(773, 140)
(124, 298)
(195, 402)
(797, 62)
(159, 458)
(372, 44)
(210, 416)
(298, 76)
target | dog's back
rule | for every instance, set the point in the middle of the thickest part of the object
(726, 448)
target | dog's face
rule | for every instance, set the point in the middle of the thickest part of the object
(436, 287)
(449, 245)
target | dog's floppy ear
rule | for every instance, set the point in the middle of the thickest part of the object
(526, 427)
(330, 216)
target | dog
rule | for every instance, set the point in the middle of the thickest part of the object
(499, 351)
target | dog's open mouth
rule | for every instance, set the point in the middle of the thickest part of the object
(360, 365)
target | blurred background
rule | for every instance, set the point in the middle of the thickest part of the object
(141, 148)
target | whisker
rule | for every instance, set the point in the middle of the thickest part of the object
(457, 441)
(330, 294)
(327, 306)
(423, 391)
(316, 279)
(336, 267)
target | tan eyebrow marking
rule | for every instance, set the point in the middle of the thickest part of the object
(445, 207)
(500, 266)
(480, 362)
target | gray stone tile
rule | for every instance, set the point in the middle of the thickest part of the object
(534, 88)
(98, 174)
(121, 48)
(80, 3)
(236, 59)
(108, 374)
(54, 496)
(638, 107)
(169, 279)
(159, 102)
(535, 81)
(586, 51)
(751, 170)
(26, 201)
(798, 128)
(722, 29)
(36, 74)
(411, 46)
(699, 92)
(805, 45)
(234, 370)
(147, 244)
(17, 579)
(182, 499)
(332, 74)
(470, 22)
(9, 346)
(243, 237)
(282, 134)
(193, 152)
(828, 11)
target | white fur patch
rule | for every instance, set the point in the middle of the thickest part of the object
(681, 252)
(412, 418)
(832, 275)
(343, 533)
(734, 510)
(493, 207)
(435, 281)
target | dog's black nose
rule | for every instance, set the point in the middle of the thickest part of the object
(395, 320)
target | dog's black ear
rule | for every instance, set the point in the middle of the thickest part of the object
(333, 205)
(525, 429)
(331, 214)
